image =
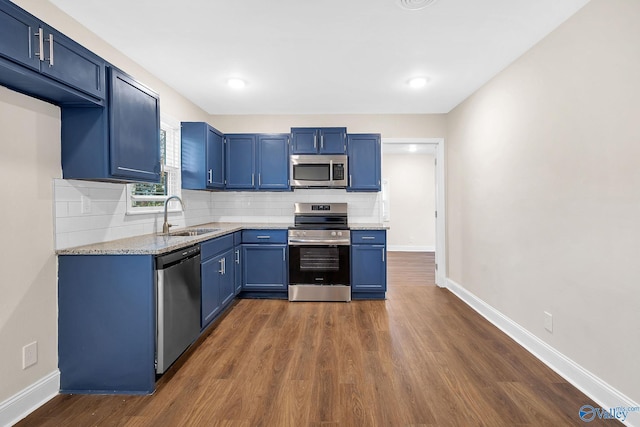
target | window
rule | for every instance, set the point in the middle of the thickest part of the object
(149, 198)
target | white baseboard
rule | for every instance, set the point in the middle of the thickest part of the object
(406, 248)
(28, 400)
(595, 388)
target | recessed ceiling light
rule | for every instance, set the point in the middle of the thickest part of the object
(418, 82)
(236, 83)
(414, 4)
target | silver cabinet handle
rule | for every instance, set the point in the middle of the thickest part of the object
(40, 53)
(350, 181)
(210, 176)
(322, 142)
(284, 256)
(383, 252)
(315, 142)
(259, 180)
(224, 265)
(252, 176)
(263, 237)
(237, 256)
(50, 40)
(221, 261)
(368, 238)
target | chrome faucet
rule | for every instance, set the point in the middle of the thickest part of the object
(166, 225)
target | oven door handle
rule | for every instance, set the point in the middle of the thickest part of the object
(342, 242)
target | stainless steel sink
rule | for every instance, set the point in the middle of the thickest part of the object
(194, 231)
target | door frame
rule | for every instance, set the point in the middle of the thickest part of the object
(441, 227)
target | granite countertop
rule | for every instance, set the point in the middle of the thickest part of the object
(156, 244)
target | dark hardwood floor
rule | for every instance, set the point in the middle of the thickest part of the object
(422, 357)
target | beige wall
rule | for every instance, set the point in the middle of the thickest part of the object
(29, 161)
(543, 191)
(411, 193)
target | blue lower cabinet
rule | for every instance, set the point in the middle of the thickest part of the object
(264, 263)
(210, 275)
(217, 277)
(106, 324)
(368, 264)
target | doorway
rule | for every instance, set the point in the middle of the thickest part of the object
(428, 148)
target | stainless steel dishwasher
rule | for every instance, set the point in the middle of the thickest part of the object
(177, 304)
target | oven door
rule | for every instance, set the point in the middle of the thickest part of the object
(319, 264)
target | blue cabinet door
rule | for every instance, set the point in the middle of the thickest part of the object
(333, 140)
(202, 156)
(368, 268)
(72, 64)
(273, 162)
(210, 279)
(134, 129)
(215, 159)
(19, 36)
(319, 140)
(304, 140)
(240, 161)
(364, 153)
(264, 267)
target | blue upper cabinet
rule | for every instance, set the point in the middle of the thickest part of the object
(257, 161)
(37, 60)
(364, 152)
(240, 161)
(273, 161)
(319, 140)
(135, 144)
(202, 156)
(120, 142)
(72, 64)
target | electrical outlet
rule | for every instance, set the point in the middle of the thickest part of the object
(548, 321)
(85, 204)
(29, 355)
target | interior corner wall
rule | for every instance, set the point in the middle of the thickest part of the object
(29, 161)
(543, 191)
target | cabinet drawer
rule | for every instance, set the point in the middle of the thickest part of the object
(368, 237)
(215, 246)
(264, 236)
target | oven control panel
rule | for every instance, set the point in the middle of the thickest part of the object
(319, 237)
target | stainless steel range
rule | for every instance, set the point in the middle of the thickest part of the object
(319, 252)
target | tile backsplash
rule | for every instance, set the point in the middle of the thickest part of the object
(105, 216)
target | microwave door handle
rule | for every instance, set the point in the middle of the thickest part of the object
(331, 171)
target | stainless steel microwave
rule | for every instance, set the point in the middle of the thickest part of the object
(323, 171)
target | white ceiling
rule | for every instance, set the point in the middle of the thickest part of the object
(329, 56)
